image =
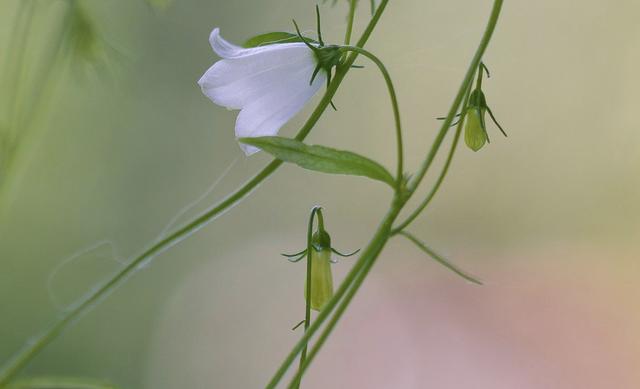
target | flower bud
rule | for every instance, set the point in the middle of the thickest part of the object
(475, 135)
(321, 278)
(318, 288)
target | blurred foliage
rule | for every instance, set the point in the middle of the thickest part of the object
(60, 383)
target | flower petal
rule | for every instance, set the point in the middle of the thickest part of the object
(235, 82)
(226, 49)
(270, 84)
(222, 47)
(265, 116)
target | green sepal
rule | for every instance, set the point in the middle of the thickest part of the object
(321, 240)
(477, 99)
(271, 38)
(321, 158)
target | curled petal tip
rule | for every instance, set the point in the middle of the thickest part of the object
(222, 47)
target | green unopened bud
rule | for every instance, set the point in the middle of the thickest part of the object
(318, 288)
(475, 135)
(321, 278)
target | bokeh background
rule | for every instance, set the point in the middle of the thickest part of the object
(548, 218)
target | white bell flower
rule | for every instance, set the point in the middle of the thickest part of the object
(268, 84)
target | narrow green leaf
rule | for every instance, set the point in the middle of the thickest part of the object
(440, 259)
(271, 38)
(321, 158)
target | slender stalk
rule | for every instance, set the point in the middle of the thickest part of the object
(31, 349)
(394, 105)
(475, 62)
(443, 173)
(479, 78)
(371, 250)
(307, 313)
(350, 20)
(367, 259)
(369, 256)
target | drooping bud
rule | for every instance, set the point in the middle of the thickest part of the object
(475, 129)
(321, 276)
(475, 135)
(318, 288)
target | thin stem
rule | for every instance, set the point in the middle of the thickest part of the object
(31, 349)
(350, 20)
(366, 262)
(443, 173)
(438, 258)
(486, 37)
(307, 313)
(479, 77)
(394, 105)
(373, 249)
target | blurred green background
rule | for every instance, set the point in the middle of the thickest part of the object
(549, 218)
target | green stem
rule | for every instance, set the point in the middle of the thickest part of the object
(443, 173)
(365, 262)
(12, 367)
(371, 249)
(486, 37)
(350, 19)
(307, 313)
(394, 105)
(479, 77)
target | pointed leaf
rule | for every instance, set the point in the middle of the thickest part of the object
(440, 259)
(271, 38)
(321, 158)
